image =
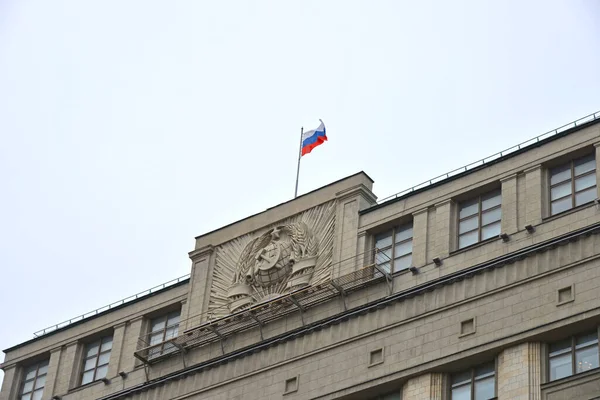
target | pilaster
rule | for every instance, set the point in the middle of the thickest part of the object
(533, 195)
(519, 375)
(117, 347)
(444, 224)
(424, 387)
(200, 281)
(10, 383)
(68, 368)
(597, 146)
(509, 204)
(419, 250)
(53, 369)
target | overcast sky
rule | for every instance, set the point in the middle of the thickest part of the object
(127, 128)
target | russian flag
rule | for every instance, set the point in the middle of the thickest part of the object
(311, 139)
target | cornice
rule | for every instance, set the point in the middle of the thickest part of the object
(452, 278)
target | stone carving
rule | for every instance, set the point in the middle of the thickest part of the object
(288, 256)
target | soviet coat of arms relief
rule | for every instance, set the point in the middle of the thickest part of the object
(288, 256)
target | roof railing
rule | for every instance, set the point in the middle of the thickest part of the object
(580, 121)
(97, 311)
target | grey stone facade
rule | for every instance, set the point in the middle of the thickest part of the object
(503, 301)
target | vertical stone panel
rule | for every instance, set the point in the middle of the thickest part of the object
(597, 146)
(519, 373)
(444, 224)
(419, 250)
(115, 353)
(52, 376)
(133, 331)
(509, 204)
(68, 369)
(9, 384)
(431, 234)
(521, 201)
(200, 282)
(424, 387)
(533, 195)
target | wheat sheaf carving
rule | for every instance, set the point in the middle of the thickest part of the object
(263, 265)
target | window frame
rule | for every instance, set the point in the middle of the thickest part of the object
(480, 213)
(152, 352)
(101, 341)
(24, 380)
(572, 352)
(572, 178)
(394, 230)
(472, 379)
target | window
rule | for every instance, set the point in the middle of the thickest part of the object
(479, 218)
(95, 364)
(394, 248)
(574, 355)
(572, 184)
(162, 329)
(389, 396)
(34, 380)
(475, 384)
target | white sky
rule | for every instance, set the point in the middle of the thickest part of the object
(129, 127)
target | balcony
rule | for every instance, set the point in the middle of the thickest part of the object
(207, 329)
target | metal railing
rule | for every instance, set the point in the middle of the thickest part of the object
(108, 307)
(583, 120)
(212, 326)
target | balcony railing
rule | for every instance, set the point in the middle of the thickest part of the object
(203, 329)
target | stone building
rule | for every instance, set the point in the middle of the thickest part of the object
(482, 283)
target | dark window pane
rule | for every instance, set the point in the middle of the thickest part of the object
(468, 224)
(158, 324)
(404, 232)
(560, 347)
(156, 338)
(491, 216)
(561, 190)
(43, 368)
(467, 239)
(490, 200)
(28, 387)
(103, 359)
(585, 196)
(92, 349)
(383, 240)
(485, 369)
(561, 173)
(30, 374)
(106, 344)
(561, 205)
(560, 366)
(173, 319)
(584, 164)
(469, 207)
(461, 378)
(26, 397)
(586, 339)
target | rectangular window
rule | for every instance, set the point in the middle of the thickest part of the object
(572, 184)
(162, 329)
(34, 380)
(475, 384)
(479, 218)
(573, 355)
(393, 249)
(96, 357)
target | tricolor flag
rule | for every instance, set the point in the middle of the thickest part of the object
(311, 139)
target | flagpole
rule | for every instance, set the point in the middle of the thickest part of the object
(299, 157)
